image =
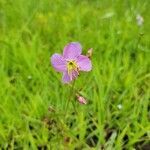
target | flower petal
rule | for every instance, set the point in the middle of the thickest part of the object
(58, 62)
(84, 63)
(69, 77)
(82, 100)
(74, 74)
(66, 77)
(72, 50)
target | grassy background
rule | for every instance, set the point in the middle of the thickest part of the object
(31, 31)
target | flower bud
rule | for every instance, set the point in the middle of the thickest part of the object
(89, 53)
(81, 99)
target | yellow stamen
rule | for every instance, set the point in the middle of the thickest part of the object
(72, 66)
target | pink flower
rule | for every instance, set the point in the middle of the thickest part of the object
(81, 100)
(71, 62)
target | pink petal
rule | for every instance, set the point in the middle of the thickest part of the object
(81, 100)
(72, 50)
(84, 63)
(58, 62)
(68, 78)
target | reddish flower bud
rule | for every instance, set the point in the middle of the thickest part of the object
(81, 99)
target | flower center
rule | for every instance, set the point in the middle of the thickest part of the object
(72, 66)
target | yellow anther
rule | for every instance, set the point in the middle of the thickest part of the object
(72, 66)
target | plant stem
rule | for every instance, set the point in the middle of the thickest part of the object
(70, 96)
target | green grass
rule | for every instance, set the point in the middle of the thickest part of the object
(31, 31)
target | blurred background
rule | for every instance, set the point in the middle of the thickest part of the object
(117, 115)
